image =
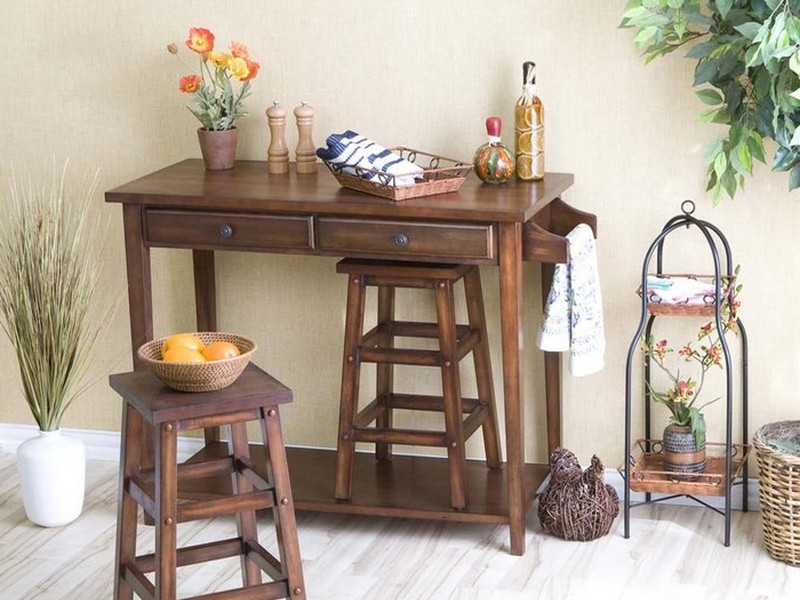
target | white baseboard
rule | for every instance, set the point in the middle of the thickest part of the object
(99, 445)
(104, 445)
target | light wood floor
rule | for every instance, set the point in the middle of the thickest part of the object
(674, 553)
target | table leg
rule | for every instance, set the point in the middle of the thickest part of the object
(510, 250)
(140, 296)
(205, 302)
(552, 375)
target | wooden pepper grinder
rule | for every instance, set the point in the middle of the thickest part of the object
(278, 153)
(306, 154)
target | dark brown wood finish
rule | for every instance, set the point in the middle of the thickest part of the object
(161, 491)
(249, 190)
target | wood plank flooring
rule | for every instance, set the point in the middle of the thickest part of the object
(674, 552)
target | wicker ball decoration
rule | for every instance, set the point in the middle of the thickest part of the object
(199, 377)
(576, 505)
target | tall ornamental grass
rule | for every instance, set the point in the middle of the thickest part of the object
(48, 278)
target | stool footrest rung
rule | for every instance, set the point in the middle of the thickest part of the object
(191, 555)
(205, 509)
(135, 578)
(429, 403)
(404, 437)
(401, 356)
(265, 591)
(266, 561)
(475, 420)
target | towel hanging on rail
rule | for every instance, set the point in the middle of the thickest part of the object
(573, 314)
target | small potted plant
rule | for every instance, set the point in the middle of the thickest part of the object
(48, 274)
(216, 104)
(684, 439)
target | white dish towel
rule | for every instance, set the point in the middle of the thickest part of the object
(573, 315)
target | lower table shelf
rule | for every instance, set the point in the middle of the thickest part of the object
(406, 486)
(648, 474)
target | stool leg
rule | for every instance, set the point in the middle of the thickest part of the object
(351, 373)
(483, 366)
(285, 524)
(127, 509)
(385, 372)
(166, 521)
(451, 393)
(246, 524)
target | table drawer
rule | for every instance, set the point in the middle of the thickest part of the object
(232, 231)
(406, 239)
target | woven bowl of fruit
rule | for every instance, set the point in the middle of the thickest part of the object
(198, 362)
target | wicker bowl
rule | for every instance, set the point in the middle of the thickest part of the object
(199, 377)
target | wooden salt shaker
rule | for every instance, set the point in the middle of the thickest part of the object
(278, 153)
(306, 156)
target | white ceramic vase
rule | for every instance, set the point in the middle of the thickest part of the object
(52, 475)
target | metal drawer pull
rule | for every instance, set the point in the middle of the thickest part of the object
(225, 230)
(401, 240)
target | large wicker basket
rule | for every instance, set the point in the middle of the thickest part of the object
(199, 377)
(778, 450)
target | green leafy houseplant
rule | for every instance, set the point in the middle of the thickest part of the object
(748, 62)
(48, 278)
(682, 395)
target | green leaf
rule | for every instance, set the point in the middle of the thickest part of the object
(749, 30)
(712, 151)
(644, 37)
(793, 28)
(724, 7)
(701, 50)
(743, 157)
(720, 164)
(709, 96)
(794, 178)
(705, 71)
(795, 141)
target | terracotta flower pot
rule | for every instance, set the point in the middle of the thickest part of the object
(681, 454)
(218, 148)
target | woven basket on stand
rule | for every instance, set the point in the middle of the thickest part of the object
(778, 450)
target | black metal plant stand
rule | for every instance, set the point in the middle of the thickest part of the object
(733, 467)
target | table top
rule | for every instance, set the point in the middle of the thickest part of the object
(249, 187)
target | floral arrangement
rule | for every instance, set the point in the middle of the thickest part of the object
(682, 395)
(217, 105)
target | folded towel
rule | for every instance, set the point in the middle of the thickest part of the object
(573, 315)
(350, 149)
(682, 290)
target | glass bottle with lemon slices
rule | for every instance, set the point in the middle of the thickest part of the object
(529, 128)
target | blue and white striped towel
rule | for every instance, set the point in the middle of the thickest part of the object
(353, 150)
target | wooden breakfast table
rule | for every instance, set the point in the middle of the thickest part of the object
(248, 209)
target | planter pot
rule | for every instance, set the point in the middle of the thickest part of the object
(681, 455)
(52, 475)
(218, 148)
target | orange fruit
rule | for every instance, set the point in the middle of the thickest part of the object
(185, 340)
(220, 350)
(182, 354)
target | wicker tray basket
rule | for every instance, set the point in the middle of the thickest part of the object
(778, 453)
(706, 309)
(199, 377)
(440, 175)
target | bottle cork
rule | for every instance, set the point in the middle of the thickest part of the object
(306, 156)
(277, 153)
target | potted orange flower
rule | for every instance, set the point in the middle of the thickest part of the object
(217, 104)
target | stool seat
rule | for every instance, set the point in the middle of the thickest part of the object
(151, 410)
(374, 422)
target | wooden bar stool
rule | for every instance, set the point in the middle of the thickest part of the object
(152, 409)
(462, 416)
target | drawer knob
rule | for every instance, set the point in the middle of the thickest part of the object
(401, 240)
(225, 230)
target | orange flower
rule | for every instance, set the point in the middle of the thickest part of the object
(200, 40)
(190, 83)
(239, 50)
(252, 70)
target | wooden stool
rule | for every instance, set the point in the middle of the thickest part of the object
(153, 409)
(377, 346)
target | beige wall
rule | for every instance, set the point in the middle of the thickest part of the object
(91, 81)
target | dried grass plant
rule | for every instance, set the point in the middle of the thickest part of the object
(48, 279)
